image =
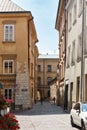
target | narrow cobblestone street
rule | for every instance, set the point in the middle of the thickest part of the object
(44, 117)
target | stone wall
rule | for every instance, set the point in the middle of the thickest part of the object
(22, 86)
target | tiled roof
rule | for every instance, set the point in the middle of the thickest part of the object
(48, 56)
(9, 6)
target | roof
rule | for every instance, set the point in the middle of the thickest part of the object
(48, 56)
(9, 6)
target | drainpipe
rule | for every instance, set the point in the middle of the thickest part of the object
(29, 39)
(82, 60)
(29, 56)
(65, 29)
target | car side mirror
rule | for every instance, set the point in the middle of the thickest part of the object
(78, 111)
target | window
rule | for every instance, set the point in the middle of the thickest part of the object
(85, 43)
(48, 80)
(80, 8)
(8, 66)
(32, 92)
(8, 32)
(8, 93)
(84, 107)
(74, 14)
(78, 89)
(32, 70)
(39, 80)
(39, 68)
(49, 68)
(79, 47)
(68, 57)
(70, 21)
(73, 53)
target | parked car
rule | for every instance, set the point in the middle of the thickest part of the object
(78, 115)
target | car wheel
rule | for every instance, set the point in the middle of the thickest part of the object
(72, 123)
(82, 126)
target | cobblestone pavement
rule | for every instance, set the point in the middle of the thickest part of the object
(44, 117)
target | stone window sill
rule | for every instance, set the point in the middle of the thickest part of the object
(8, 41)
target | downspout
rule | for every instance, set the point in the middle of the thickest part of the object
(82, 60)
(29, 58)
(65, 31)
(29, 40)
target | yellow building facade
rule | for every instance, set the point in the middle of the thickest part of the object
(47, 70)
(17, 41)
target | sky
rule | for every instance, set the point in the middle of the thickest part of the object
(44, 13)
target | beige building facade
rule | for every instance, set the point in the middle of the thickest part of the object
(17, 41)
(47, 70)
(74, 88)
(54, 90)
(74, 53)
(61, 26)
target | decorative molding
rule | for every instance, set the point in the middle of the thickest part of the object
(8, 56)
(9, 22)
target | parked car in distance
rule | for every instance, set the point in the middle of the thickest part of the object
(78, 115)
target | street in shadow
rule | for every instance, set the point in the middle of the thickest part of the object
(46, 108)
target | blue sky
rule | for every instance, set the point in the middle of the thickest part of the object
(44, 13)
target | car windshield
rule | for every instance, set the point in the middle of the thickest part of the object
(84, 107)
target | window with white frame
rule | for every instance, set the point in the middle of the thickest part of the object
(9, 32)
(8, 93)
(8, 67)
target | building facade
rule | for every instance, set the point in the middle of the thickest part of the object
(75, 88)
(17, 41)
(74, 52)
(47, 70)
(36, 54)
(61, 26)
(54, 90)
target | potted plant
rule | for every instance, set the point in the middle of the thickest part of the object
(3, 105)
(9, 122)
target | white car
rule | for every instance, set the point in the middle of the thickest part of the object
(78, 115)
